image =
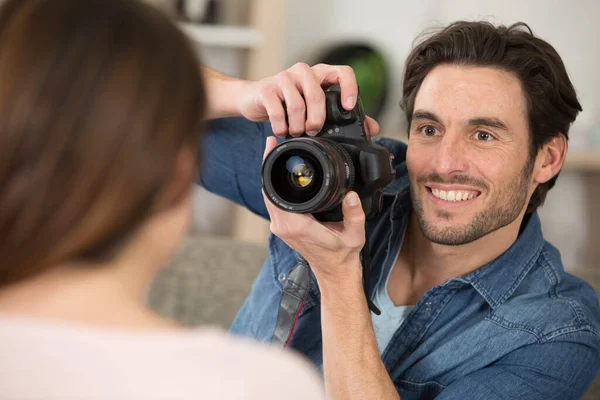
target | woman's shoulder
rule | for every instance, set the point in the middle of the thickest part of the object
(185, 363)
(272, 369)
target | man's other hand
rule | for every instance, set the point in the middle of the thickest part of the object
(301, 89)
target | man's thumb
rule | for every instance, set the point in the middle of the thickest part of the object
(352, 210)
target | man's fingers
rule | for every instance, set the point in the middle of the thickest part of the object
(314, 97)
(272, 102)
(342, 75)
(373, 126)
(295, 228)
(348, 86)
(294, 104)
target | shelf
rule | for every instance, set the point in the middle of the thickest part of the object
(582, 161)
(222, 36)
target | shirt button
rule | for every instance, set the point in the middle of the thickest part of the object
(281, 277)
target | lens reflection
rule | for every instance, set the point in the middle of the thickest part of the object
(301, 174)
(297, 176)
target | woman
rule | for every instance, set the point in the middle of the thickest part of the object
(101, 102)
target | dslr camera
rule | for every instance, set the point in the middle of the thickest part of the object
(313, 174)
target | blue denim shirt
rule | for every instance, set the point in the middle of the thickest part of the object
(517, 328)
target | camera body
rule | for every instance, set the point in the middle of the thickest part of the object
(313, 174)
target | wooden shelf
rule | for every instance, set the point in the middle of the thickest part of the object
(582, 161)
(222, 36)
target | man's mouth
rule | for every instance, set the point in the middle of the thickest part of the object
(455, 195)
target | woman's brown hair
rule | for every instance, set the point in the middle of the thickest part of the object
(97, 100)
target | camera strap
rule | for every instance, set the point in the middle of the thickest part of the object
(295, 292)
(365, 258)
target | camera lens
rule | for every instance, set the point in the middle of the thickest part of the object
(307, 175)
(296, 176)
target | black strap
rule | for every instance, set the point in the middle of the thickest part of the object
(366, 273)
(295, 293)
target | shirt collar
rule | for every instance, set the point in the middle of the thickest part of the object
(401, 181)
(497, 281)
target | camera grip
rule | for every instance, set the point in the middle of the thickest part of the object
(335, 112)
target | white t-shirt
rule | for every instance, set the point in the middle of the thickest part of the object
(40, 360)
(391, 318)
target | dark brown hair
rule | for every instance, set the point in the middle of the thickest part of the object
(97, 100)
(551, 101)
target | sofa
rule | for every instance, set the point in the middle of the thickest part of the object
(207, 281)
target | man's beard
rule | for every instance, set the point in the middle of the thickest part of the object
(508, 204)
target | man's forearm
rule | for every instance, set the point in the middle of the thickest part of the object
(222, 91)
(351, 362)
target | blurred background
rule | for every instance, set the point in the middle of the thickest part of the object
(257, 38)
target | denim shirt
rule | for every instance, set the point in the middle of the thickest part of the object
(517, 328)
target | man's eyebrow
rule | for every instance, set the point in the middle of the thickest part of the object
(422, 114)
(490, 122)
(481, 121)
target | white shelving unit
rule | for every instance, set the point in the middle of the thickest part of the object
(252, 51)
(223, 36)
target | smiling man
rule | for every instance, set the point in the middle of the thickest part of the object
(470, 168)
(474, 302)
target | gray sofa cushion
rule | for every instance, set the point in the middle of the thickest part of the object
(207, 281)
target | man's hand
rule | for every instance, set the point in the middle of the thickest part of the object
(299, 87)
(352, 366)
(351, 363)
(332, 248)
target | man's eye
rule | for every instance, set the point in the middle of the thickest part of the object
(428, 130)
(484, 136)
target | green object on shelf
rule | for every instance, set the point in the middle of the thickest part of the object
(370, 69)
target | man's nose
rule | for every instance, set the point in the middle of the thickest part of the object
(451, 155)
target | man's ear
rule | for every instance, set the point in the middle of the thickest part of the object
(550, 159)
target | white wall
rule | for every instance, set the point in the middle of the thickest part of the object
(570, 26)
(389, 25)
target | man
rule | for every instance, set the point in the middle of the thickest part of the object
(475, 304)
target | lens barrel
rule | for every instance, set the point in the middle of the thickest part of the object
(307, 175)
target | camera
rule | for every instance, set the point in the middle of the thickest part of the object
(313, 174)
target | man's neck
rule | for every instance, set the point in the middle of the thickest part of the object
(423, 264)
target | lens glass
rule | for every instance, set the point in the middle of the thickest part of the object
(300, 171)
(297, 176)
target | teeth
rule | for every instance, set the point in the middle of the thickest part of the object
(453, 195)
